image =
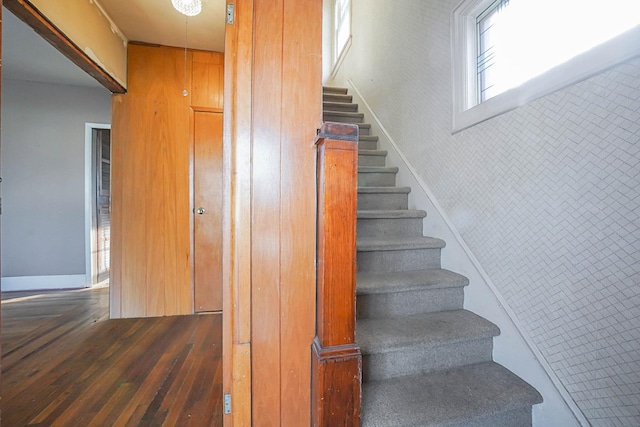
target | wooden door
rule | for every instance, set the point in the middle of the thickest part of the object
(102, 138)
(207, 202)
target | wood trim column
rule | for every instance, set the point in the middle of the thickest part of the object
(336, 358)
(236, 221)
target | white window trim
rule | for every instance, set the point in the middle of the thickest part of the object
(463, 52)
(338, 56)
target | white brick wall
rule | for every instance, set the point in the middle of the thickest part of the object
(546, 196)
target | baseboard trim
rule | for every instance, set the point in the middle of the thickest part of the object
(33, 283)
(486, 310)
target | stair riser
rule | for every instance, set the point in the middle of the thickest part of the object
(341, 106)
(365, 160)
(376, 179)
(393, 201)
(389, 227)
(338, 118)
(418, 360)
(332, 89)
(398, 304)
(333, 97)
(367, 145)
(410, 259)
(364, 130)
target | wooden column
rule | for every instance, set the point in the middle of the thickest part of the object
(336, 359)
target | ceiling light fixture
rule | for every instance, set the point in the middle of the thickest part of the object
(187, 7)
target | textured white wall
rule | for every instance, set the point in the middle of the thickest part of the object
(42, 156)
(546, 196)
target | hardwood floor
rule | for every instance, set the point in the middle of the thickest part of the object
(64, 363)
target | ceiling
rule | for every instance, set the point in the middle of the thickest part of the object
(156, 21)
(150, 21)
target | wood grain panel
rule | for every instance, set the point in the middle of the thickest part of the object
(336, 359)
(237, 349)
(266, 216)
(207, 184)
(151, 186)
(208, 77)
(301, 116)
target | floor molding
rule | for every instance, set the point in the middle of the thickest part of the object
(31, 283)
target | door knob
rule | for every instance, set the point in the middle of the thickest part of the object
(200, 211)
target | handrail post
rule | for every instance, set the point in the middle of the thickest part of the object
(336, 360)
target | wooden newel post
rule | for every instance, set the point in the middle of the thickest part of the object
(336, 360)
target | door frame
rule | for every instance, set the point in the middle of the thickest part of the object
(90, 243)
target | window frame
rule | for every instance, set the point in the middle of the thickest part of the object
(468, 112)
(339, 52)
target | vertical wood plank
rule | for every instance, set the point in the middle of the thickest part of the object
(208, 76)
(301, 116)
(236, 338)
(118, 116)
(266, 270)
(178, 297)
(151, 136)
(208, 225)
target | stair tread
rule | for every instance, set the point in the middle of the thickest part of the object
(382, 335)
(404, 281)
(391, 213)
(368, 137)
(443, 397)
(333, 104)
(365, 244)
(374, 190)
(378, 169)
(343, 113)
(380, 153)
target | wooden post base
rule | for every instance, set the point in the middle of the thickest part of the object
(336, 385)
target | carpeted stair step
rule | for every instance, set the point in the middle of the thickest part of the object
(383, 197)
(342, 117)
(333, 89)
(377, 176)
(372, 157)
(364, 128)
(339, 106)
(367, 142)
(336, 97)
(389, 223)
(405, 293)
(398, 254)
(416, 344)
(479, 395)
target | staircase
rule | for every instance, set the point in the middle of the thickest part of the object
(426, 361)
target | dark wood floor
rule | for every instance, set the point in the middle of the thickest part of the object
(64, 363)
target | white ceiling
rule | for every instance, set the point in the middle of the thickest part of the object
(26, 56)
(156, 21)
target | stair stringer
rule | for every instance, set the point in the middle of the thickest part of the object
(513, 348)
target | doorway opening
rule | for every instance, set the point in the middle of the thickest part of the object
(97, 202)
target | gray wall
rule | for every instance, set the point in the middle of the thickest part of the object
(42, 155)
(546, 196)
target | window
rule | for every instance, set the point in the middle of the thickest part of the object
(342, 29)
(509, 52)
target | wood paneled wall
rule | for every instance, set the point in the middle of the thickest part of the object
(152, 135)
(286, 113)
